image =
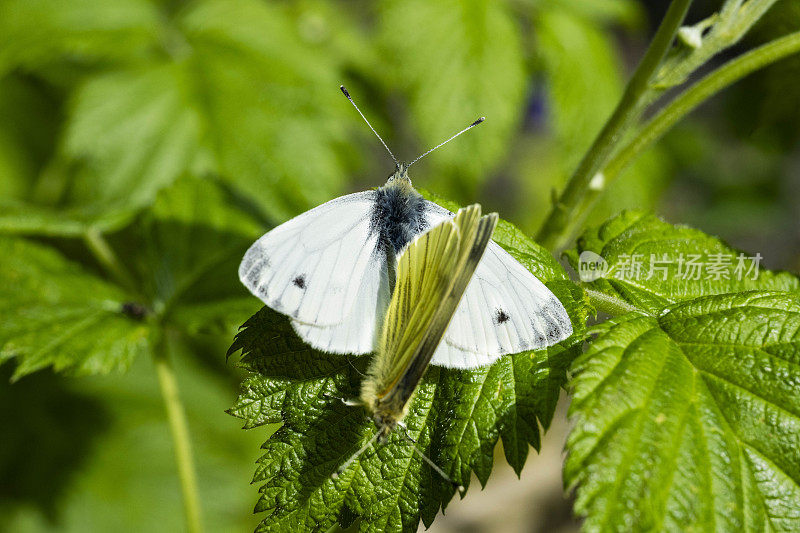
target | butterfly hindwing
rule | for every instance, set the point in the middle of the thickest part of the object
(505, 309)
(325, 270)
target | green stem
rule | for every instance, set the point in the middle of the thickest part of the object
(99, 247)
(552, 233)
(180, 437)
(718, 80)
(683, 104)
(609, 304)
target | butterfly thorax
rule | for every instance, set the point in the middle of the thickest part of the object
(399, 210)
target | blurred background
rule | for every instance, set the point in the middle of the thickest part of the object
(110, 108)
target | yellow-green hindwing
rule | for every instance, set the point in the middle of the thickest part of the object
(432, 274)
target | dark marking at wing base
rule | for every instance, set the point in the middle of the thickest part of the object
(300, 281)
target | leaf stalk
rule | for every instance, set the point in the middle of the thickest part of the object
(105, 255)
(179, 430)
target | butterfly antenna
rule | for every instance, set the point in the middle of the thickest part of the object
(353, 457)
(448, 140)
(459, 487)
(347, 94)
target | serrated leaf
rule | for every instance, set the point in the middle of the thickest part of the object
(477, 47)
(672, 263)
(691, 420)
(184, 254)
(456, 417)
(56, 314)
(241, 96)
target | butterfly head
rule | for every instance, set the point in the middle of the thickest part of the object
(400, 176)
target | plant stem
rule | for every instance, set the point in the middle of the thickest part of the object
(718, 80)
(180, 438)
(99, 247)
(721, 78)
(552, 233)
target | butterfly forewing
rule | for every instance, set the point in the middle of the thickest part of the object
(505, 309)
(322, 268)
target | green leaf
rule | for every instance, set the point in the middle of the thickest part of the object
(34, 33)
(184, 252)
(456, 418)
(23, 218)
(686, 263)
(56, 314)
(193, 240)
(271, 101)
(476, 46)
(691, 420)
(241, 96)
(136, 131)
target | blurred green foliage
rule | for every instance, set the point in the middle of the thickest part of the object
(182, 130)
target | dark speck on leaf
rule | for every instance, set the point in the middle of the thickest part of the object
(300, 281)
(134, 310)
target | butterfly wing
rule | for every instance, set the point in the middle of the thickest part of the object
(325, 270)
(432, 273)
(505, 309)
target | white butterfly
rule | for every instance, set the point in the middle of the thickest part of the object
(331, 269)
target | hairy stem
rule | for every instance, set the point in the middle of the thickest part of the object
(683, 104)
(718, 80)
(552, 233)
(99, 247)
(180, 437)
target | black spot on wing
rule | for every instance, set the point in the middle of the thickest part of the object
(553, 332)
(300, 281)
(501, 317)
